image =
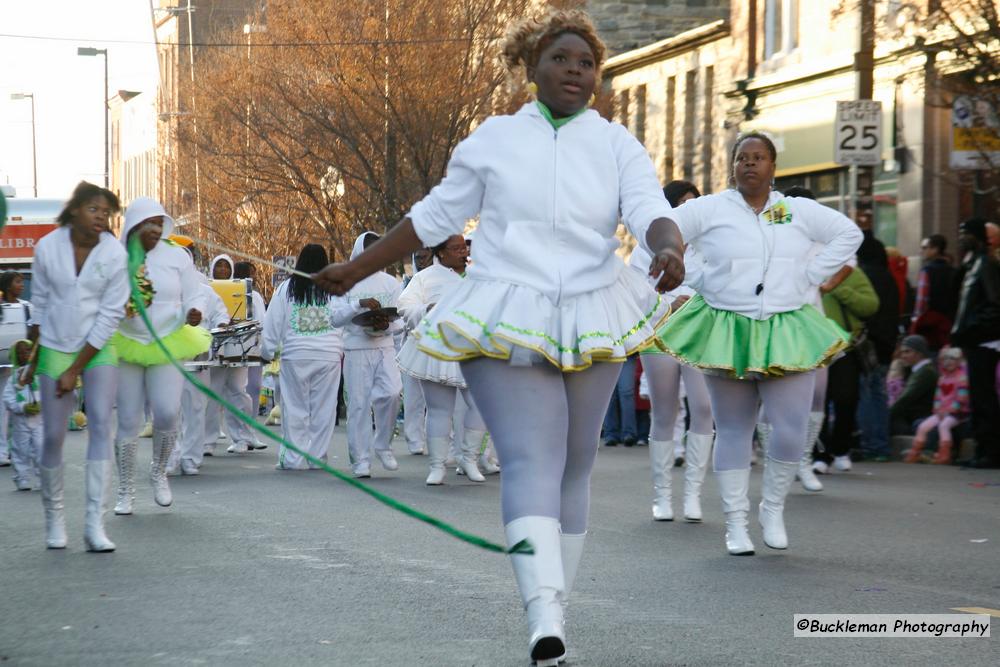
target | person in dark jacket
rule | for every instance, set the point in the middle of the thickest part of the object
(977, 332)
(917, 400)
(935, 300)
(882, 334)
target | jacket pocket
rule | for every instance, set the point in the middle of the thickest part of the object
(786, 285)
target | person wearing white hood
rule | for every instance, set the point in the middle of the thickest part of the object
(440, 380)
(371, 376)
(174, 302)
(230, 382)
(79, 289)
(299, 324)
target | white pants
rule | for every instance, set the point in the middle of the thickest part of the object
(371, 385)
(255, 376)
(194, 436)
(25, 445)
(161, 385)
(308, 409)
(231, 384)
(4, 416)
(100, 385)
(414, 407)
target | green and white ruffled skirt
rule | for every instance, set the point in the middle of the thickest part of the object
(722, 342)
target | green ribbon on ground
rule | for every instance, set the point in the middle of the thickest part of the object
(136, 256)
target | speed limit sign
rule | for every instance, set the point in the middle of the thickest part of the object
(858, 132)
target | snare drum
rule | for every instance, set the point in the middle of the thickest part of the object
(236, 294)
(13, 327)
(237, 345)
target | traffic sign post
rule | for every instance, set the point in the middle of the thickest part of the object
(858, 139)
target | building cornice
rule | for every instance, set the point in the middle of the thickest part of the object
(666, 48)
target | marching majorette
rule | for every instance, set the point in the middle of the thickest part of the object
(79, 289)
(173, 299)
(441, 381)
(371, 377)
(23, 401)
(230, 382)
(546, 304)
(750, 327)
(298, 325)
(195, 437)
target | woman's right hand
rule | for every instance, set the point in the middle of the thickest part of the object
(337, 279)
(679, 301)
(370, 303)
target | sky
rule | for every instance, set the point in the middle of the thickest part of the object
(68, 88)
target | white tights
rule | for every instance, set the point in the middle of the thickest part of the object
(99, 383)
(440, 399)
(546, 425)
(664, 374)
(160, 385)
(734, 403)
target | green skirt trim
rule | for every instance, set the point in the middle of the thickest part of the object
(53, 363)
(733, 345)
(184, 343)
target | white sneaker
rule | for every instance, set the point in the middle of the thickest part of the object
(147, 430)
(238, 448)
(387, 459)
(209, 450)
(820, 467)
(188, 467)
(362, 470)
(842, 463)
(4, 460)
(416, 449)
(256, 445)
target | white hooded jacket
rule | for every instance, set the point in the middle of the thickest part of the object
(379, 286)
(425, 289)
(216, 260)
(169, 268)
(301, 331)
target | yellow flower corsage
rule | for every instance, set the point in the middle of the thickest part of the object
(145, 289)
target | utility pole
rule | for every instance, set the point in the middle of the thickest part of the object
(864, 65)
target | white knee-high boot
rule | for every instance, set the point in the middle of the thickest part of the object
(699, 453)
(52, 501)
(805, 472)
(661, 458)
(98, 483)
(437, 450)
(487, 459)
(470, 452)
(541, 582)
(778, 476)
(571, 548)
(163, 445)
(125, 458)
(734, 487)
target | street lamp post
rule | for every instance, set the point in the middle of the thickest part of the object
(34, 154)
(89, 51)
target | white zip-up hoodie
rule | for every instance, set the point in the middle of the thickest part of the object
(301, 331)
(742, 251)
(172, 273)
(72, 310)
(426, 288)
(549, 215)
(380, 286)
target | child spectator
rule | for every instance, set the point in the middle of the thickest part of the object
(25, 419)
(951, 407)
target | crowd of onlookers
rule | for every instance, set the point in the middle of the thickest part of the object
(924, 360)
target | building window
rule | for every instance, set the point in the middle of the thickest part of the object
(706, 133)
(638, 117)
(690, 81)
(621, 110)
(668, 148)
(781, 27)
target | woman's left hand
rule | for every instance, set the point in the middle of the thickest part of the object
(194, 317)
(66, 382)
(337, 278)
(668, 267)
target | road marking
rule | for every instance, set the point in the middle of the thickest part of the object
(978, 610)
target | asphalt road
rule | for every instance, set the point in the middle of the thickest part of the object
(253, 566)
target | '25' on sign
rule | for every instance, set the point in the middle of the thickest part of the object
(858, 132)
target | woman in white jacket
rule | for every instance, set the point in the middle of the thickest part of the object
(298, 325)
(751, 327)
(174, 304)
(546, 303)
(79, 291)
(441, 381)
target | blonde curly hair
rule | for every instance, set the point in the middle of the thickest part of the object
(526, 39)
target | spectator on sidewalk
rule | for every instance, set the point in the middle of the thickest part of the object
(883, 332)
(977, 332)
(917, 400)
(619, 421)
(934, 309)
(951, 408)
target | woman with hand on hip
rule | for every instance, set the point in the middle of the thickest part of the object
(79, 290)
(751, 328)
(174, 303)
(664, 374)
(546, 311)
(441, 381)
